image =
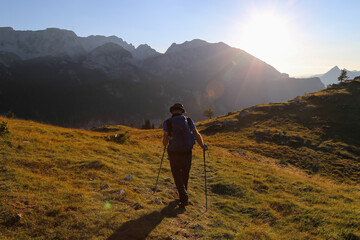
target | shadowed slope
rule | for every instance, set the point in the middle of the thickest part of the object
(317, 132)
(140, 228)
(54, 178)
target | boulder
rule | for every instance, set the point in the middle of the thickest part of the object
(18, 217)
(243, 114)
(128, 178)
(138, 206)
(121, 192)
(199, 227)
(158, 201)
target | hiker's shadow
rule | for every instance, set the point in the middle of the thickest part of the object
(140, 228)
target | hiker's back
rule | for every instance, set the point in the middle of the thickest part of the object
(181, 137)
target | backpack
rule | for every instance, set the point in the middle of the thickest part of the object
(181, 137)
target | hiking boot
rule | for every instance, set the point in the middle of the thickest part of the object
(182, 205)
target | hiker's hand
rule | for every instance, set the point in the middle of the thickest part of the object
(205, 147)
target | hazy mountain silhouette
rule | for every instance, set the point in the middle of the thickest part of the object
(332, 75)
(60, 42)
(55, 76)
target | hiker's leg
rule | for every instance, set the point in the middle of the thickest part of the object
(186, 166)
(176, 169)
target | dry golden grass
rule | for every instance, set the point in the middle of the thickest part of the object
(53, 176)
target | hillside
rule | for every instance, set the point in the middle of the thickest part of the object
(55, 177)
(317, 132)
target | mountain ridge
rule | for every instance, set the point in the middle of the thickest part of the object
(331, 76)
(197, 73)
(55, 38)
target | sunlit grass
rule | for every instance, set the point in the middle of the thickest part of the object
(54, 177)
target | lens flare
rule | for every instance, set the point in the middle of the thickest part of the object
(215, 89)
(107, 205)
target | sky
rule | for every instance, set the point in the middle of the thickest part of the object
(298, 37)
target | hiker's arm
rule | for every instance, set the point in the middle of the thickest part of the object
(198, 137)
(165, 139)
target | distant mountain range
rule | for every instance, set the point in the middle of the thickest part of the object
(59, 42)
(332, 75)
(55, 76)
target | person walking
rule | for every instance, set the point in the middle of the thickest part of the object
(179, 137)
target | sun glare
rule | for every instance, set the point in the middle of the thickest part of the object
(266, 36)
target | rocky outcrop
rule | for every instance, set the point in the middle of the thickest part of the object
(144, 51)
(59, 42)
(111, 58)
(32, 44)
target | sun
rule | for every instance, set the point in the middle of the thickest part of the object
(266, 35)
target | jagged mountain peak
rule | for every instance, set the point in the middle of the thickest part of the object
(110, 48)
(48, 42)
(6, 29)
(53, 29)
(112, 37)
(195, 43)
(144, 51)
(61, 42)
(93, 41)
(186, 45)
(143, 46)
(336, 68)
(331, 76)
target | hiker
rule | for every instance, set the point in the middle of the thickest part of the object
(180, 133)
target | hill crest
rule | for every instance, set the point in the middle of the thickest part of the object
(69, 184)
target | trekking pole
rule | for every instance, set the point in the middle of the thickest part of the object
(206, 203)
(157, 179)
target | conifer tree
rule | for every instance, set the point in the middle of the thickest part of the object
(342, 76)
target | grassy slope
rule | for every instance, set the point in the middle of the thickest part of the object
(322, 131)
(53, 177)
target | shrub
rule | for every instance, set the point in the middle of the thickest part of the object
(4, 128)
(95, 164)
(227, 189)
(118, 138)
(147, 125)
(208, 113)
(10, 114)
(350, 236)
